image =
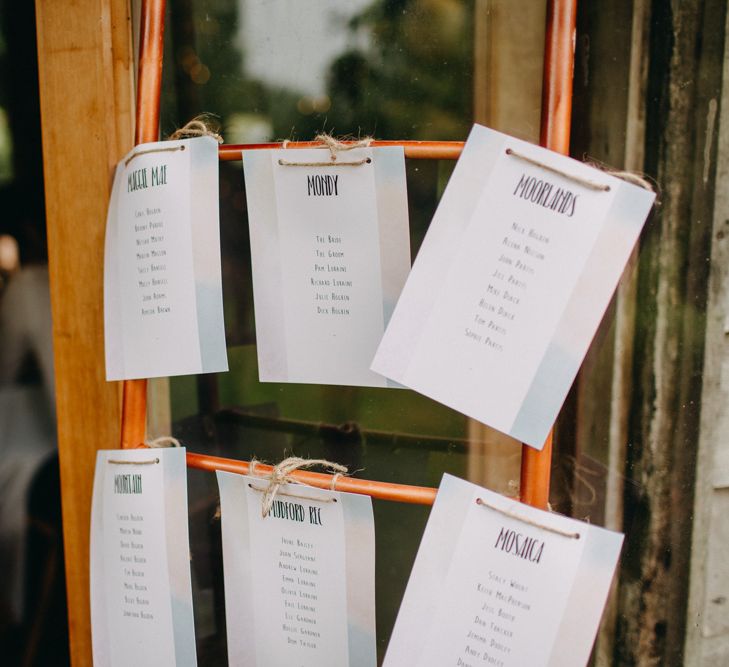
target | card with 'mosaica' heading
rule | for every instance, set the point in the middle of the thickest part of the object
(513, 277)
(330, 253)
(299, 583)
(141, 594)
(500, 584)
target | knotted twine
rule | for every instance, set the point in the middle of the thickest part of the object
(628, 176)
(200, 126)
(335, 146)
(338, 145)
(642, 180)
(281, 474)
(203, 125)
(163, 441)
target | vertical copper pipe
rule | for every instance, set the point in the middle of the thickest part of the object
(535, 474)
(149, 88)
(559, 62)
(149, 79)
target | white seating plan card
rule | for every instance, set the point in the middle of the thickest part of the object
(300, 583)
(141, 595)
(507, 291)
(502, 584)
(330, 252)
(163, 299)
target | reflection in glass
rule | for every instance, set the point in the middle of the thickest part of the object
(392, 69)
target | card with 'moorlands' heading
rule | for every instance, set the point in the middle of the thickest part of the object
(500, 584)
(299, 583)
(141, 594)
(510, 284)
(330, 253)
(163, 299)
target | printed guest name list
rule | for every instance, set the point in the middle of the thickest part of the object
(510, 283)
(136, 581)
(299, 581)
(324, 278)
(162, 291)
(332, 287)
(150, 248)
(305, 590)
(299, 569)
(497, 583)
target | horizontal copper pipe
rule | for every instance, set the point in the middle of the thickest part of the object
(419, 150)
(417, 495)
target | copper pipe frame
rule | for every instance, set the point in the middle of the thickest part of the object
(555, 133)
(559, 61)
(418, 150)
(417, 495)
(149, 89)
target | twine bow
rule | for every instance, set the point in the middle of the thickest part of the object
(337, 145)
(281, 474)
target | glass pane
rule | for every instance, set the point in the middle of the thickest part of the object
(275, 70)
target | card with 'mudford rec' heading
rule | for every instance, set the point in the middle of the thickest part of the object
(330, 253)
(513, 277)
(300, 582)
(163, 299)
(497, 583)
(141, 594)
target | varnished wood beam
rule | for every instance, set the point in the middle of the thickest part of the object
(86, 93)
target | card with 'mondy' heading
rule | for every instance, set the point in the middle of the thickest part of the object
(330, 253)
(510, 284)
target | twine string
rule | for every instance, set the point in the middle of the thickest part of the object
(204, 125)
(628, 176)
(200, 126)
(338, 146)
(288, 494)
(631, 177)
(123, 462)
(281, 474)
(531, 522)
(335, 147)
(335, 479)
(163, 441)
(354, 163)
(171, 149)
(585, 182)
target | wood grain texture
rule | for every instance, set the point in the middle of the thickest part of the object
(86, 92)
(687, 44)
